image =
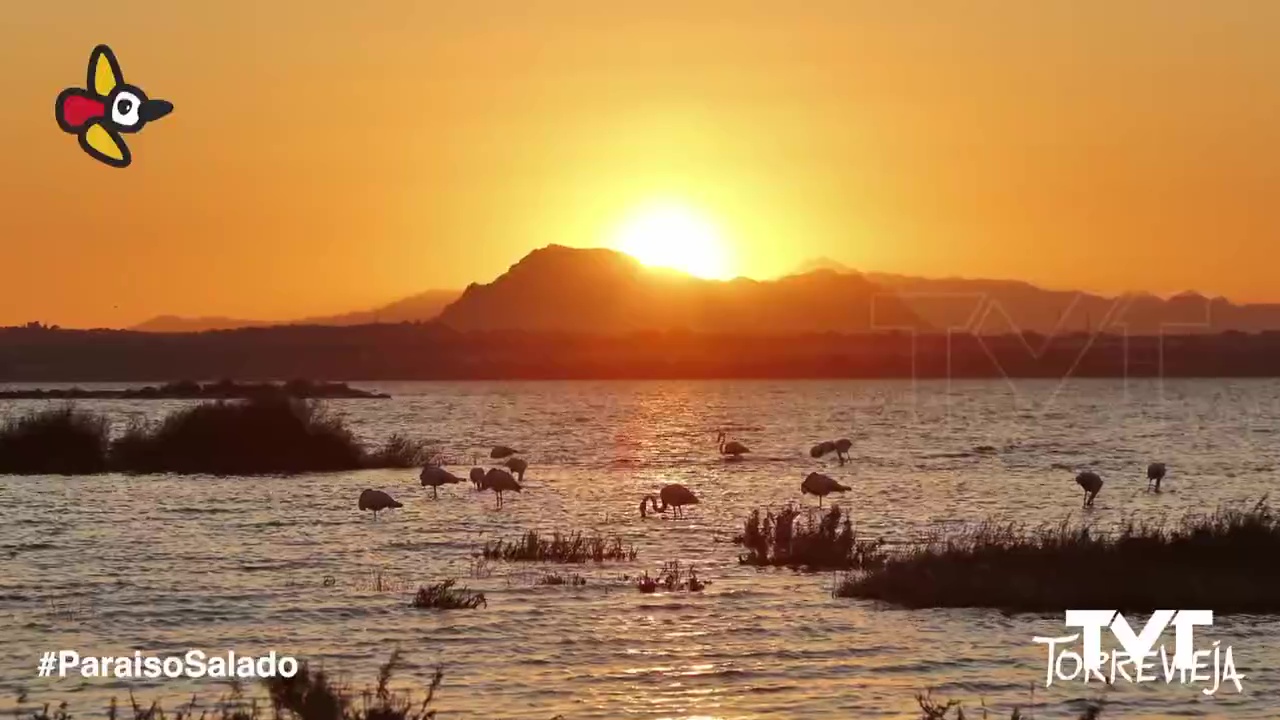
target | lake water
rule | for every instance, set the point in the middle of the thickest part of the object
(106, 565)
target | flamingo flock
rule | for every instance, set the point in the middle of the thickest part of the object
(508, 477)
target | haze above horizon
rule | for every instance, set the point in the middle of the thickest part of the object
(1084, 146)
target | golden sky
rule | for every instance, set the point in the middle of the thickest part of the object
(329, 155)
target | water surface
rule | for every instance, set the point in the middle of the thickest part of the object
(109, 564)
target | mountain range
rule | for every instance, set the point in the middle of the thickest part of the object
(561, 289)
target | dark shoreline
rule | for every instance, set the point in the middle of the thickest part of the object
(190, 390)
(431, 351)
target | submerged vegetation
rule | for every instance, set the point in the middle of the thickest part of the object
(444, 596)
(267, 435)
(574, 547)
(672, 578)
(1221, 560)
(808, 540)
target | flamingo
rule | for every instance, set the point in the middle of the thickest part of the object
(733, 448)
(502, 451)
(500, 481)
(477, 477)
(1155, 473)
(376, 500)
(842, 449)
(674, 495)
(517, 466)
(821, 485)
(1092, 485)
(435, 476)
(823, 448)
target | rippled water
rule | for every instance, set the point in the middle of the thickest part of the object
(109, 564)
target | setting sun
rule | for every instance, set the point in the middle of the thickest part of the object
(671, 236)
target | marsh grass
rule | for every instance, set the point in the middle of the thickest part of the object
(401, 452)
(574, 547)
(673, 577)
(54, 441)
(309, 695)
(444, 596)
(931, 709)
(810, 540)
(554, 578)
(1222, 561)
(268, 435)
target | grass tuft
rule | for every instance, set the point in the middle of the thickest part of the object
(1220, 561)
(54, 441)
(267, 435)
(444, 596)
(811, 540)
(553, 578)
(575, 547)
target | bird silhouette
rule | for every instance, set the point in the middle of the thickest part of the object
(674, 496)
(1155, 473)
(376, 500)
(434, 476)
(500, 481)
(732, 449)
(517, 466)
(477, 477)
(821, 485)
(1092, 485)
(825, 447)
(842, 449)
(502, 451)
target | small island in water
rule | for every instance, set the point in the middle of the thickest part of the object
(191, 390)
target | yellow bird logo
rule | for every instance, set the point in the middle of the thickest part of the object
(106, 108)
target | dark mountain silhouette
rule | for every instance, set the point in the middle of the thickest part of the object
(560, 289)
(415, 308)
(602, 291)
(995, 307)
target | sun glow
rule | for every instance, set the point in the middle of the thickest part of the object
(672, 236)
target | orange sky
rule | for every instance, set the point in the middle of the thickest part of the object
(328, 156)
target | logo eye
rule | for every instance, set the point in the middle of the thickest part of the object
(124, 111)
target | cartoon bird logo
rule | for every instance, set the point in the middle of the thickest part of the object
(105, 108)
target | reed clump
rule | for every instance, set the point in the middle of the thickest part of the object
(54, 441)
(553, 578)
(267, 435)
(444, 596)
(809, 540)
(1220, 560)
(574, 547)
(673, 577)
(309, 695)
(931, 709)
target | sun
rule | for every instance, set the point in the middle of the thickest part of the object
(675, 237)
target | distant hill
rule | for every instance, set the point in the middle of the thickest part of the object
(603, 291)
(996, 307)
(415, 308)
(596, 290)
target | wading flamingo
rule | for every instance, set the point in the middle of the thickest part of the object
(376, 500)
(674, 496)
(1155, 473)
(517, 466)
(500, 481)
(502, 451)
(1092, 485)
(821, 485)
(732, 449)
(434, 476)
